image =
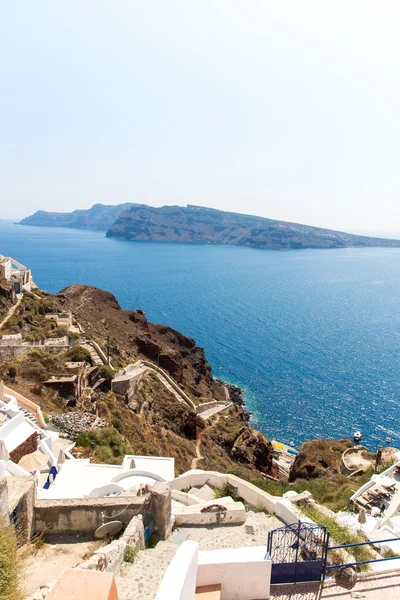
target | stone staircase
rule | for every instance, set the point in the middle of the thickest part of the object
(141, 579)
(96, 359)
(203, 493)
(29, 415)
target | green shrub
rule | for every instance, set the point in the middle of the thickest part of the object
(131, 553)
(227, 489)
(12, 372)
(340, 533)
(109, 446)
(333, 492)
(73, 335)
(106, 373)
(116, 423)
(10, 565)
(36, 371)
(85, 441)
(39, 543)
(78, 354)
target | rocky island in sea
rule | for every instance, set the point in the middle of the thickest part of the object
(201, 225)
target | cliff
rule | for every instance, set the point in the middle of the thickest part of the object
(149, 416)
(99, 217)
(319, 458)
(194, 224)
(131, 336)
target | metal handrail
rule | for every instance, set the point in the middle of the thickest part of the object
(373, 542)
(362, 562)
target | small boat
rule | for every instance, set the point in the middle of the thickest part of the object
(357, 436)
(388, 440)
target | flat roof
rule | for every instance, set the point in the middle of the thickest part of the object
(16, 436)
(78, 477)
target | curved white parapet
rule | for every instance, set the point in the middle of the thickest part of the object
(179, 581)
(185, 498)
(105, 490)
(137, 473)
(249, 492)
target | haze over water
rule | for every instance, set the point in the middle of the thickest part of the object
(313, 336)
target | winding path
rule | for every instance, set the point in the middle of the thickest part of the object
(10, 313)
(199, 456)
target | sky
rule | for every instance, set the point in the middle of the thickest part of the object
(284, 109)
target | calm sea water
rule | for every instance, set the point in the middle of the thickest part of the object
(312, 336)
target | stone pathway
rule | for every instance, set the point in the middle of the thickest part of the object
(94, 355)
(370, 587)
(200, 435)
(216, 408)
(140, 580)
(11, 311)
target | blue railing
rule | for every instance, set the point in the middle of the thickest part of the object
(362, 562)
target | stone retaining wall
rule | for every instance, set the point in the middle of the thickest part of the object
(110, 557)
(84, 515)
(250, 493)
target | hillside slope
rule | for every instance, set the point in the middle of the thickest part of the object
(205, 225)
(149, 416)
(99, 217)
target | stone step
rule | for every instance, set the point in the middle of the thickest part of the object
(140, 580)
(205, 492)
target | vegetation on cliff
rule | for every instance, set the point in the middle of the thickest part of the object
(150, 419)
(7, 297)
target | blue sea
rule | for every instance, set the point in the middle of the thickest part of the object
(312, 336)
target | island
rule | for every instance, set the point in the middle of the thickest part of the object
(197, 224)
(99, 217)
(202, 225)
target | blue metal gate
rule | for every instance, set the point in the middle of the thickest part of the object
(298, 552)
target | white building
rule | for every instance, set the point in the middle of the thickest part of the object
(16, 274)
(79, 478)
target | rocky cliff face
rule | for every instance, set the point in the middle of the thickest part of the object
(130, 336)
(150, 417)
(252, 447)
(206, 225)
(317, 458)
(147, 413)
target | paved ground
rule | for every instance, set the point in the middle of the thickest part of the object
(372, 587)
(217, 408)
(140, 580)
(60, 553)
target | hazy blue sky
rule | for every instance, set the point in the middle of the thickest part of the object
(283, 108)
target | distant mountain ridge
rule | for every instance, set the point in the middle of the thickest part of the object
(99, 217)
(196, 224)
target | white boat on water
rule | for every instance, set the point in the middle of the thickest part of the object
(357, 436)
